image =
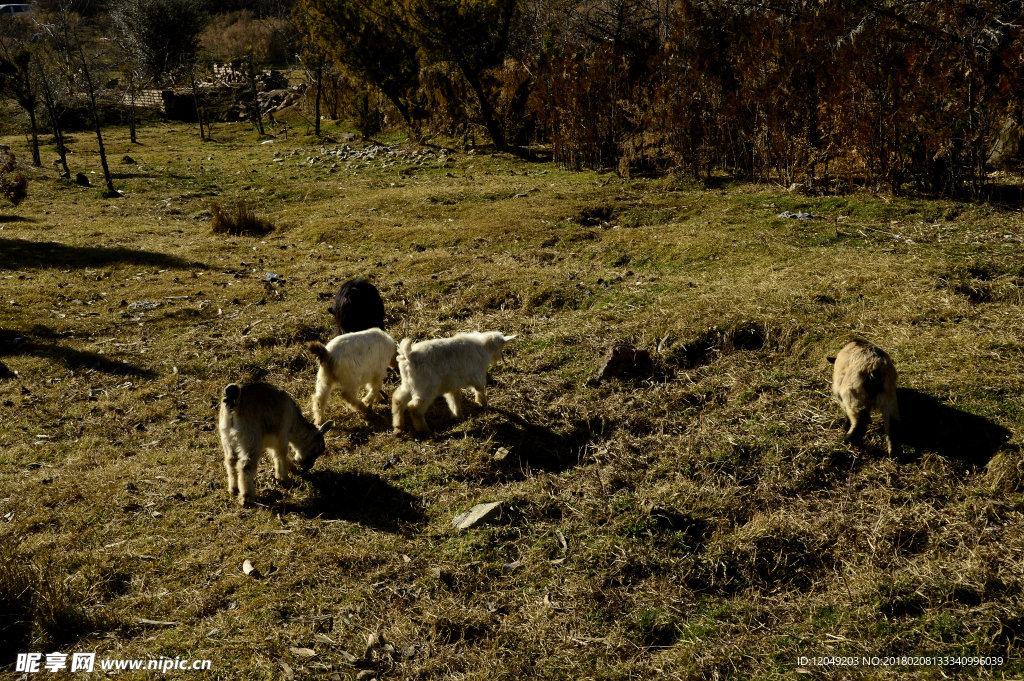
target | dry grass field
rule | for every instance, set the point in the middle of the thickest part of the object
(706, 521)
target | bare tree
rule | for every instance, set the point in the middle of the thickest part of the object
(160, 38)
(16, 75)
(79, 62)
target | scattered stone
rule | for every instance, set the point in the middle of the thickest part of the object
(249, 570)
(144, 305)
(625, 361)
(301, 652)
(501, 454)
(799, 216)
(478, 514)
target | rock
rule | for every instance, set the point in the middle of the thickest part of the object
(478, 514)
(365, 675)
(144, 305)
(82, 179)
(249, 570)
(301, 652)
(625, 361)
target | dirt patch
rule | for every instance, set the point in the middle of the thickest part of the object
(595, 216)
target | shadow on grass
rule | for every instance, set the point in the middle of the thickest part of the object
(14, 218)
(24, 254)
(363, 498)
(14, 344)
(931, 425)
(130, 176)
(534, 446)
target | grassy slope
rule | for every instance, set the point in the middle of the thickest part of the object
(714, 523)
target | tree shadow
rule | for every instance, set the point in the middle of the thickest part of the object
(14, 344)
(15, 218)
(363, 498)
(1002, 196)
(130, 176)
(931, 425)
(25, 254)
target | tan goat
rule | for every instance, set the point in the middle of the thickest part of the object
(257, 416)
(863, 378)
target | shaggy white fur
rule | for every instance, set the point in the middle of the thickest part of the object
(350, 362)
(443, 366)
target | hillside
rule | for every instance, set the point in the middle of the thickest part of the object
(706, 521)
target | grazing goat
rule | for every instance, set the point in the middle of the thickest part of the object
(443, 366)
(358, 306)
(257, 416)
(350, 362)
(864, 377)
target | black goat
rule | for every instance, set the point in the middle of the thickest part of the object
(358, 306)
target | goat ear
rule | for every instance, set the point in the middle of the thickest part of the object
(508, 338)
(327, 426)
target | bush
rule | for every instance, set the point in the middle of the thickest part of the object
(235, 34)
(40, 608)
(238, 219)
(13, 186)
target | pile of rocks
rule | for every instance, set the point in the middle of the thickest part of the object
(381, 155)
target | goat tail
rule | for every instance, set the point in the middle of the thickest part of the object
(404, 348)
(318, 349)
(231, 395)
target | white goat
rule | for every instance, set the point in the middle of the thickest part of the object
(864, 377)
(443, 366)
(350, 362)
(257, 416)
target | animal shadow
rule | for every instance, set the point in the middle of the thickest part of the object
(363, 498)
(928, 424)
